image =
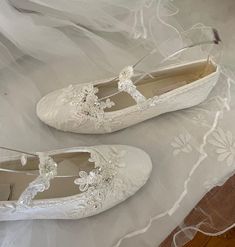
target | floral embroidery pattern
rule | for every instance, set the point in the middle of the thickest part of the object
(85, 103)
(85, 179)
(47, 171)
(181, 144)
(225, 146)
(95, 185)
(101, 180)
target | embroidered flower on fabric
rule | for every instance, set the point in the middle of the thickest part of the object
(85, 103)
(101, 180)
(181, 144)
(88, 179)
(225, 146)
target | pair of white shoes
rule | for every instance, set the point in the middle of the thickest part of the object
(80, 182)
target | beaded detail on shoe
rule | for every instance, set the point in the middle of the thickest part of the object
(85, 104)
(125, 84)
(47, 171)
(96, 183)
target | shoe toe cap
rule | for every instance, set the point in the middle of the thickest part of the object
(134, 170)
(137, 168)
(56, 113)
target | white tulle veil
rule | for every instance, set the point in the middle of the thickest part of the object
(48, 44)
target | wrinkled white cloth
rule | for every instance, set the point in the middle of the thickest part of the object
(192, 150)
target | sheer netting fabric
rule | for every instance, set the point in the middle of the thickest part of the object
(49, 44)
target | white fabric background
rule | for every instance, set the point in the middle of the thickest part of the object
(177, 182)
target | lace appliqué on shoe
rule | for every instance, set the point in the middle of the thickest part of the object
(47, 171)
(96, 186)
(99, 182)
(125, 84)
(86, 104)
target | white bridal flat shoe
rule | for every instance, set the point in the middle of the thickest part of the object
(70, 183)
(93, 108)
(114, 104)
